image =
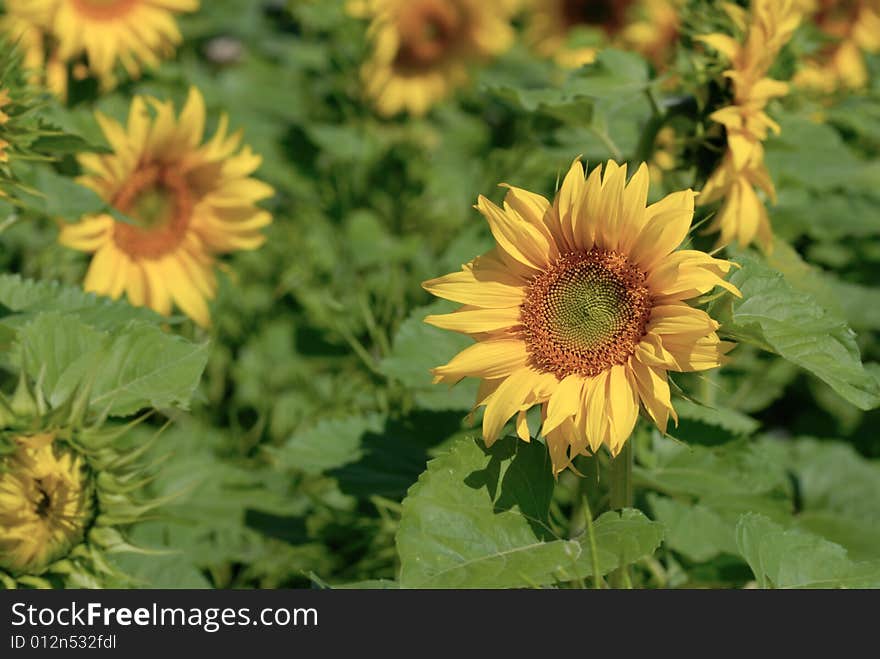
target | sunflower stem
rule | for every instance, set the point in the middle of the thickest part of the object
(594, 548)
(622, 497)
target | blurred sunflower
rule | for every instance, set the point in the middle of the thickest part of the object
(187, 201)
(580, 308)
(768, 26)
(665, 154)
(422, 49)
(647, 26)
(135, 33)
(46, 503)
(4, 118)
(853, 27)
(27, 24)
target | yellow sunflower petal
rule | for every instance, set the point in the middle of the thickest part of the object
(494, 358)
(507, 400)
(518, 238)
(477, 320)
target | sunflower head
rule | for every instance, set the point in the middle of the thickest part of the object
(20, 122)
(582, 309)
(68, 490)
(852, 28)
(95, 35)
(767, 28)
(4, 118)
(649, 27)
(46, 503)
(186, 200)
(422, 49)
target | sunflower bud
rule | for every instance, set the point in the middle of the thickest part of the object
(68, 491)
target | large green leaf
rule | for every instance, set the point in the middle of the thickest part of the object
(778, 317)
(329, 444)
(24, 298)
(812, 155)
(131, 368)
(480, 518)
(735, 469)
(704, 529)
(616, 75)
(782, 558)
(839, 492)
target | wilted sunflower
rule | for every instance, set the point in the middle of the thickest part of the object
(135, 33)
(580, 308)
(648, 26)
(187, 201)
(854, 29)
(422, 49)
(769, 26)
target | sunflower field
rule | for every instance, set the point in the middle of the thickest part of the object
(439, 294)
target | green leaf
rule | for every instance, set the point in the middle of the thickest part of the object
(839, 492)
(616, 75)
(775, 316)
(329, 444)
(479, 518)
(782, 558)
(24, 298)
(738, 468)
(417, 348)
(52, 342)
(60, 196)
(811, 155)
(622, 538)
(715, 424)
(703, 530)
(131, 368)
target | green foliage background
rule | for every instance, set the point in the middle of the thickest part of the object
(314, 451)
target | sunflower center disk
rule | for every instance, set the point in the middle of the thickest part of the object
(428, 31)
(160, 205)
(104, 9)
(608, 14)
(585, 314)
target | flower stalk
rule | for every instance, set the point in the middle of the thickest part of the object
(622, 497)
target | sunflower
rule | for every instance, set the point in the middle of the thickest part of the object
(647, 26)
(581, 309)
(665, 153)
(422, 49)
(742, 217)
(769, 26)
(136, 33)
(853, 27)
(4, 118)
(186, 202)
(654, 33)
(27, 26)
(46, 503)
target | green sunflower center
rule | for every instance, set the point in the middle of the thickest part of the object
(585, 314)
(153, 208)
(160, 204)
